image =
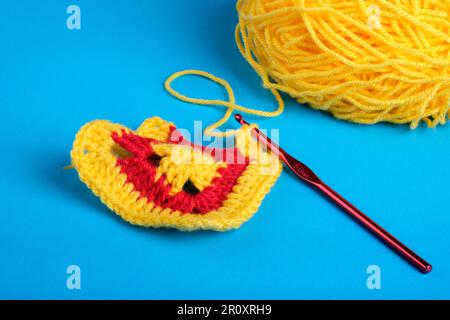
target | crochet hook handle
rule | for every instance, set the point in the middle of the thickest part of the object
(306, 174)
(376, 229)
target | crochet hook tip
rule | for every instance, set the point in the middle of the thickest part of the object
(240, 119)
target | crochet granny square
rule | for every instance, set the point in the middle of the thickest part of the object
(154, 177)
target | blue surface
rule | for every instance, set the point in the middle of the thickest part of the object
(53, 80)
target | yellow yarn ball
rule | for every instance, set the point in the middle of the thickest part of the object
(364, 61)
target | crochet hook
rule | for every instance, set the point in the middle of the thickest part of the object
(306, 174)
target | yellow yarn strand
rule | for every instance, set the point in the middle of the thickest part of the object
(325, 53)
(230, 104)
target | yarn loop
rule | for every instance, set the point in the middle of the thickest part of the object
(230, 104)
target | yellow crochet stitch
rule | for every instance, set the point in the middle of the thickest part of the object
(362, 60)
(96, 155)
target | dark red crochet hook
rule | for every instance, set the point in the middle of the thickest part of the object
(306, 174)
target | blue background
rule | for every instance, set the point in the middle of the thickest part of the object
(53, 80)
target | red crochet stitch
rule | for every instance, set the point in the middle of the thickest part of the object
(141, 165)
